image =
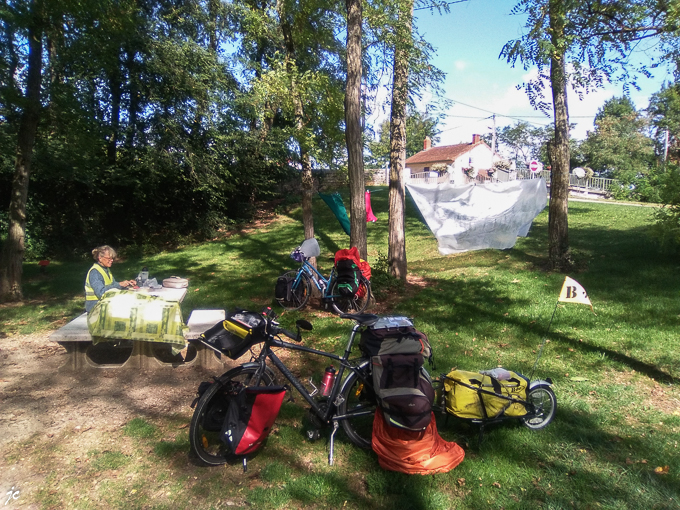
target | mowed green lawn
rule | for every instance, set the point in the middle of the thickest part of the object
(613, 443)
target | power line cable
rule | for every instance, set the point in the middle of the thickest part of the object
(516, 117)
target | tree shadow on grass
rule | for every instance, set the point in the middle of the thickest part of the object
(453, 304)
(595, 465)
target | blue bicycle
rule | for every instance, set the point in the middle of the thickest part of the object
(294, 288)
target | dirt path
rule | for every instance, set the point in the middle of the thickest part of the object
(36, 396)
(37, 399)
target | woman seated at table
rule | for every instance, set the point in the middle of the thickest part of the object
(99, 277)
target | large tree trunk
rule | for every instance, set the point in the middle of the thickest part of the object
(300, 124)
(116, 92)
(353, 133)
(396, 254)
(307, 179)
(133, 105)
(558, 211)
(14, 247)
(211, 26)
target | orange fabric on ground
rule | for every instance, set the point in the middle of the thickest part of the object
(417, 453)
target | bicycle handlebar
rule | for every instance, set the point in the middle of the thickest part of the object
(275, 330)
(292, 336)
(273, 325)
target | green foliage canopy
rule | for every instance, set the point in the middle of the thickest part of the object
(419, 125)
(619, 148)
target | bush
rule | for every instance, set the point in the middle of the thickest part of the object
(667, 226)
(382, 281)
(643, 188)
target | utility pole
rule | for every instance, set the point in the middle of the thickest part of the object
(493, 138)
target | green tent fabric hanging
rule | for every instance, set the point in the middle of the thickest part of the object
(334, 201)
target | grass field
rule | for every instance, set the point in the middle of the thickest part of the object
(614, 441)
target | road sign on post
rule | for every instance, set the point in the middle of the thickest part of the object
(535, 166)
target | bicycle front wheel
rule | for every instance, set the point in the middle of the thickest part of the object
(541, 409)
(358, 404)
(351, 304)
(211, 411)
(299, 293)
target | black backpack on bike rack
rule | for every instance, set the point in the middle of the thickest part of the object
(401, 383)
(348, 277)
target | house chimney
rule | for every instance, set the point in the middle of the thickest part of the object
(475, 139)
(427, 144)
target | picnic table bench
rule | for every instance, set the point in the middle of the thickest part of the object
(134, 354)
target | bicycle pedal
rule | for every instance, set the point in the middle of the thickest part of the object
(313, 435)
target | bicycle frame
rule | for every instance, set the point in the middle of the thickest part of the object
(326, 413)
(315, 276)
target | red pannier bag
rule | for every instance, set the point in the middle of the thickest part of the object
(366, 271)
(414, 453)
(250, 416)
(349, 254)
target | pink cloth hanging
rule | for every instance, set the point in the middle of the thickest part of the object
(369, 212)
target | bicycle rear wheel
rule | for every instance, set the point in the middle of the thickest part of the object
(211, 411)
(351, 304)
(359, 404)
(299, 292)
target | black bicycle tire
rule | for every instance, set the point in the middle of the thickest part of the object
(336, 302)
(204, 442)
(300, 304)
(358, 430)
(530, 421)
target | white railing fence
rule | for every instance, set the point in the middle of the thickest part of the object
(596, 184)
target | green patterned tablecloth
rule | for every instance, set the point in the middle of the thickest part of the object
(129, 315)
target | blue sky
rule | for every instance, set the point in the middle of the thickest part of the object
(468, 41)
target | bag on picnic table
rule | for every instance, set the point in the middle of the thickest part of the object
(403, 386)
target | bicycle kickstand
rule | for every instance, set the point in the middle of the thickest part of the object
(330, 453)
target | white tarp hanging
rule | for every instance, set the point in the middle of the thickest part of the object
(479, 216)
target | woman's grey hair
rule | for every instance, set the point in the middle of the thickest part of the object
(105, 250)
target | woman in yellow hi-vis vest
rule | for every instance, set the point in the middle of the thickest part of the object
(99, 278)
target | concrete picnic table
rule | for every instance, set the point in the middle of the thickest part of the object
(76, 339)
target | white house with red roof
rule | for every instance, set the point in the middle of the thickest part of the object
(455, 158)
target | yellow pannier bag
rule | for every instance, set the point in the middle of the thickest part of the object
(464, 398)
